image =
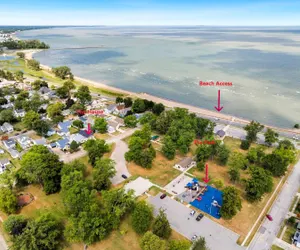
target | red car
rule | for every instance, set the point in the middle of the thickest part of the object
(269, 217)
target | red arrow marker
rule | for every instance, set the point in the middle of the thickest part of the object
(219, 100)
(89, 130)
(206, 179)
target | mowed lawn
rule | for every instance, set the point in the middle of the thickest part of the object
(161, 173)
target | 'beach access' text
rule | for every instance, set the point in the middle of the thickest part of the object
(211, 83)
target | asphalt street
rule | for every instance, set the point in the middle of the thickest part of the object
(267, 233)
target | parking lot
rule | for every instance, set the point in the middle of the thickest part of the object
(217, 236)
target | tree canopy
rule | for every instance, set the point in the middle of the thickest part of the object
(252, 129)
(8, 200)
(141, 217)
(231, 202)
(83, 94)
(96, 149)
(270, 137)
(102, 172)
(152, 242)
(161, 225)
(63, 72)
(100, 125)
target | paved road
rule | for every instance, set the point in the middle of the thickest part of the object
(217, 236)
(3, 245)
(269, 229)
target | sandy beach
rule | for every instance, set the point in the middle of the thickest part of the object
(29, 54)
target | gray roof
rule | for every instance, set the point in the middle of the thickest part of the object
(221, 133)
(7, 126)
(4, 162)
(14, 153)
(79, 138)
(185, 162)
(63, 142)
(64, 126)
(9, 143)
(111, 107)
(40, 141)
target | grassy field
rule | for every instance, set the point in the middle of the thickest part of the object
(154, 190)
(101, 136)
(161, 173)
(293, 203)
(274, 247)
(289, 233)
(54, 138)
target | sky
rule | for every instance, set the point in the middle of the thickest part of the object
(151, 12)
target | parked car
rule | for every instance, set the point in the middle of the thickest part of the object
(194, 238)
(192, 213)
(124, 176)
(269, 217)
(163, 196)
(199, 217)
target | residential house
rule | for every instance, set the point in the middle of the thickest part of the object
(85, 134)
(19, 112)
(64, 127)
(10, 143)
(66, 112)
(79, 138)
(119, 121)
(1, 151)
(185, 163)
(44, 90)
(7, 128)
(3, 164)
(41, 141)
(118, 108)
(112, 126)
(24, 141)
(110, 108)
(63, 144)
(51, 132)
(7, 106)
(123, 112)
(13, 153)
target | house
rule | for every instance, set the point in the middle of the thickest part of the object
(85, 134)
(13, 153)
(296, 239)
(51, 132)
(63, 144)
(221, 133)
(24, 141)
(79, 138)
(40, 142)
(64, 127)
(185, 163)
(117, 109)
(1, 151)
(66, 112)
(112, 126)
(7, 128)
(119, 121)
(44, 90)
(19, 112)
(138, 116)
(7, 106)
(123, 112)
(10, 143)
(3, 164)
(110, 108)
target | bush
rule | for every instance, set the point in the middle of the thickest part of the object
(297, 125)
(245, 145)
(291, 220)
(200, 166)
(218, 183)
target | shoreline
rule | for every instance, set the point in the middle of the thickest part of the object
(29, 54)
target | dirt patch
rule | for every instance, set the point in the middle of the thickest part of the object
(24, 199)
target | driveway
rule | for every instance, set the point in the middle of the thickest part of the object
(267, 233)
(216, 236)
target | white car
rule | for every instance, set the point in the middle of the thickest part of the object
(192, 213)
(194, 238)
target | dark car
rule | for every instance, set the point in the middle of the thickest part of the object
(163, 196)
(269, 217)
(199, 217)
(124, 176)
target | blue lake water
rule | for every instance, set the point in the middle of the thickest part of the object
(262, 63)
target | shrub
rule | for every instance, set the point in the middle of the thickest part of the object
(245, 145)
(200, 166)
(218, 183)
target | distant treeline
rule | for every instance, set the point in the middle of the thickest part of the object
(10, 29)
(24, 44)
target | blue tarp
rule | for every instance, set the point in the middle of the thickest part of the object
(195, 180)
(206, 202)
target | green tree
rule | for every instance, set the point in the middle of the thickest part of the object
(260, 182)
(96, 149)
(102, 172)
(130, 121)
(297, 126)
(119, 100)
(37, 84)
(138, 106)
(231, 202)
(83, 94)
(141, 217)
(234, 173)
(152, 242)
(45, 232)
(21, 55)
(286, 144)
(8, 201)
(169, 148)
(100, 125)
(179, 245)
(63, 72)
(203, 152)
(19, 76)
(6, 115)
(238, 160)
(200, 244)
(41, 166)
(252, 129)
(222, 154)
(62, 92)
(74, 146)
(148, 117)
(78, 124)
(158, 108)
(41, 127)
(69, 85)
(161, 225)
(270, 137)
(15, 224)
(128, 102)
(245, 144)
(33, 64)
(54, 111)
(30, 118)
